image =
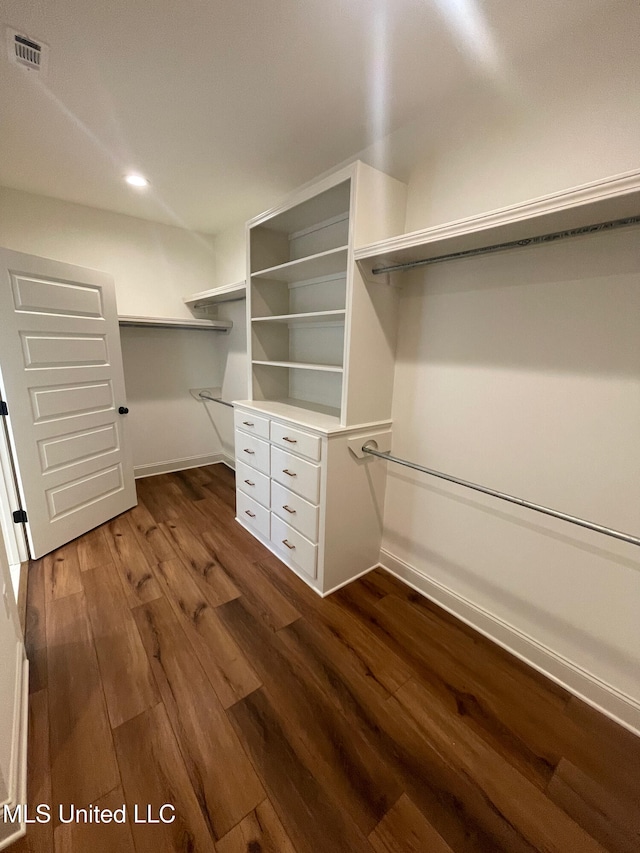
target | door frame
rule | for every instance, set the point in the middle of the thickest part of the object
(14, 538)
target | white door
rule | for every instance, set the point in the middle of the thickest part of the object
(61, 377)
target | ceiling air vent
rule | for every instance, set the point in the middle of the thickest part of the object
(27, 52)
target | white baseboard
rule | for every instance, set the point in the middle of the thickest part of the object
(153, 468)
(612, 702)
(18, 782)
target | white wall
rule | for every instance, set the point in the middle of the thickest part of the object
(520, 371)
(168, 427)
(153, 267)
(564, 116)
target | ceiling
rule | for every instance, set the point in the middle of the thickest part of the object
(225, 106)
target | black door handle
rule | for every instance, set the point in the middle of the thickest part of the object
(123, 410)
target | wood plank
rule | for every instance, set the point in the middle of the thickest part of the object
(312, 819)
(62, 572)
(342, 760)
(260, 832)
(537, 821)
(139, 582)
(93, 550)
(151, 491)
(483, 648)
(35, 627)
(152, 541)
(601, 748)
(154, 773)
(211, 577)
(450, 801)
(222, 485)
(491, 697)
(268, 603)
(188, 510)
(128, 684)
(380, 662)
(96, 837)
(188, 485)
(406, 830)
(83, 765)
(226, 666)
(225, 783)
(615, 823)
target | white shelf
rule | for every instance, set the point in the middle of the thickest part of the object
(602, 201)
(170, 323)
(323, 418)
(301, 319)
(301, 365)
(227, 293)
(314, 266)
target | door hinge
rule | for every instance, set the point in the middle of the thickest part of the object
(3, 408)
(20, 516)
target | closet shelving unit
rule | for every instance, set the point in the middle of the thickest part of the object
(316, 329)
(202, 303)
(298, 264)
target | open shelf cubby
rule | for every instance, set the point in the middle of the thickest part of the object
(315, 226)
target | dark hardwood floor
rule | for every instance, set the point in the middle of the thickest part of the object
(175, 660)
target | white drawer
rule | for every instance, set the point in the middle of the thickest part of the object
(252, 451)
(253, 514)
(249, 423)
(296, 474)
(295, 511)
(294, 547)
(294, 439)
(252, 483)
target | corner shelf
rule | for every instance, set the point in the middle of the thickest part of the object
(170, 323)
(227, 293)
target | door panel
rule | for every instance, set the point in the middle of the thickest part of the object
(61, 376)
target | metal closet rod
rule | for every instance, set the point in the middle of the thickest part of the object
(214, 399)
(572, 519)
(514, 244)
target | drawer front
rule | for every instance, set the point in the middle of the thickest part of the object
(294, 439)
(253, 514)
(295, 511)
(248, 422)
(294, 546)
(296, 474)
(252, 451)
(254, 484)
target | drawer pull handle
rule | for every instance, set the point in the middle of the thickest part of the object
(289, 545)
(248, 423)
(249, 483)
(288, 509)
(250, 452)
(250, 514)
(290, 440)
(288, 473)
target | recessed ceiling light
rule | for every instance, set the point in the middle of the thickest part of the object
(136, 181)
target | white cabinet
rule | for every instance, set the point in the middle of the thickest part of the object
(316, 505)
